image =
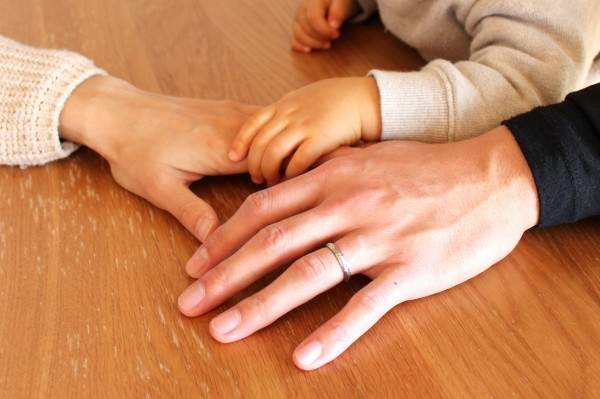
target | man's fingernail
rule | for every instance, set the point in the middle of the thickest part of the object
(203, 227)
(309, 352)
(335, 24)
(227, 321)
(191, 297)
(197, 263)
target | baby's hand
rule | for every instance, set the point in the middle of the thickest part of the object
(307, 124)
(317, 22)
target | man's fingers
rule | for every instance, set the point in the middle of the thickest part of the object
(306, 278)
(270, 248)
(363, 310)
(260, 209)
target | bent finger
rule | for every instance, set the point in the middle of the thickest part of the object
(280, 148)
(241, 144)
(192, 212)
(316, 18)
(306, 155)
(256, 153)
(309, 41)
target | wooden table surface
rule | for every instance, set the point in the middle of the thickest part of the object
(89, 273)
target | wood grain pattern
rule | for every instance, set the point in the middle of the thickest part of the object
(89, 273)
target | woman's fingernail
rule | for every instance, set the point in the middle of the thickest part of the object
(233, 155)
(203, 227)
(191, 297)
(197, 263)
(309, 352)
(227, 321)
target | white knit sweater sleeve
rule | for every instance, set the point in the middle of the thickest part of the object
(522, 54)
(34, 86)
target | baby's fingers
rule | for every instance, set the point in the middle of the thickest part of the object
(279, 149)
(316, 18)
(307, 154)
(241, 144)
(256, 153)
(304, 42)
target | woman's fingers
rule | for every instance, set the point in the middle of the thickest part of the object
(192, 212)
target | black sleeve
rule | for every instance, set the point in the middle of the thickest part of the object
(561, 143)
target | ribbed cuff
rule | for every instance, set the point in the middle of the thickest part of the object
(414, 106)
(36, 84)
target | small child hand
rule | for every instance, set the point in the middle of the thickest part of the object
(306, 124)
(317, 22)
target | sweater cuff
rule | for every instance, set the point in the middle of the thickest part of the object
(561, 144)
(37, 84)
(414, 106)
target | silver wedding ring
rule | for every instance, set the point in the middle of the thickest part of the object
(339, 256)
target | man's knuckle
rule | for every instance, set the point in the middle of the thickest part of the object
(261, 305)
(373, 302)
(259, 203)
(340, 332)
(272, 239)
(218, 279)
(311, 268)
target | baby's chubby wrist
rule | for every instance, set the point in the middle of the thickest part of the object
(370, 110)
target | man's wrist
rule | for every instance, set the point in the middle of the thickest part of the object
(510, 172)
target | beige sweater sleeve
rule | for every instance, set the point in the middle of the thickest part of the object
(522, 55)
(34, 86)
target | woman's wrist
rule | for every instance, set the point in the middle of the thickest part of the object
(86, 116)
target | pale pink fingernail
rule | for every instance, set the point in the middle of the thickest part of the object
(197, 263)
(309, 352)
(227, 321)
(191, 297)
(203, 227)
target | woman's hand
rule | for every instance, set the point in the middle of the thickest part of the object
(416, 218)
(157, 145)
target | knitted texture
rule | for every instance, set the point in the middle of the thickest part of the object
(488, 61)
(34, 86)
